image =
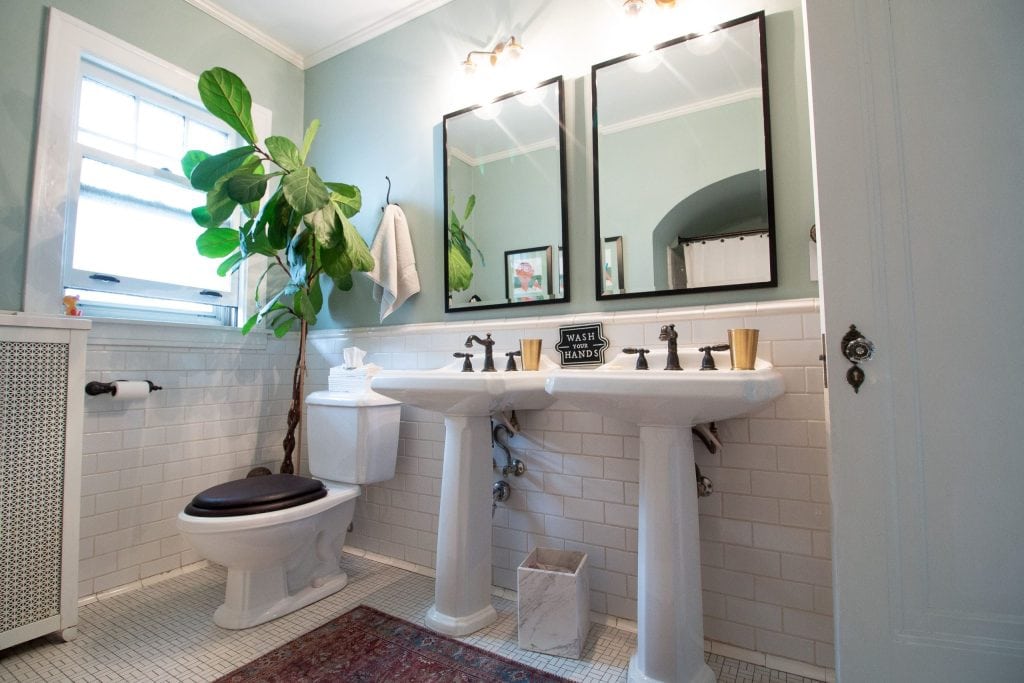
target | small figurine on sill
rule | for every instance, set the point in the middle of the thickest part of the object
(71, 305)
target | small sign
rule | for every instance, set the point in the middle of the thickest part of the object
(581, 344)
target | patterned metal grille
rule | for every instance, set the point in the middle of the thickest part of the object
(33, 414)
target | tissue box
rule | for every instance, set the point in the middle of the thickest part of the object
(554, 602)
(351, 380)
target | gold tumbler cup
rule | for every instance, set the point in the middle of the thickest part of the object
(743, 348)
(530, 350)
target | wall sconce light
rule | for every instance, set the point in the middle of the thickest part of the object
(506, 50)
(634, 7)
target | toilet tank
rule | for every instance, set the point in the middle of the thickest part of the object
(353, 438)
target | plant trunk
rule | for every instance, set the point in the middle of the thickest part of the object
(295, 410)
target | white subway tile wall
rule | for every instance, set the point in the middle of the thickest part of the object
(765, 545)
(221, 412)
(765, 542)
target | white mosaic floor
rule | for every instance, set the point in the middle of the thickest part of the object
(165, 632)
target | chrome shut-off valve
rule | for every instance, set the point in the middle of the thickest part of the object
(704, 486)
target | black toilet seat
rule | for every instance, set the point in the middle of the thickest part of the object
(256, 495)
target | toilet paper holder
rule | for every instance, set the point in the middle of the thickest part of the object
(98, 388)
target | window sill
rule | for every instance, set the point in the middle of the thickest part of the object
(124, 332)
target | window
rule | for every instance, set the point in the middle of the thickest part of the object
(130, 245)
(116, 123)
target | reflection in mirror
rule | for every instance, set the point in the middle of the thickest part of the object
(682, 166)
(505, 211)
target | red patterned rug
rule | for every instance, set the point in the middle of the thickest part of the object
(367, 645)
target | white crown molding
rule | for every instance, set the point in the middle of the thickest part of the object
(731, 98)
(345, 43)
(249, 31)
(503, 154)
(373, 30)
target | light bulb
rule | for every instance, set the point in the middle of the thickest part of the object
(633, 7)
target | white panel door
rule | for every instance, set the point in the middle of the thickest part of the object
(918, 126)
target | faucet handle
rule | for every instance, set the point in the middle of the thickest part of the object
(708, 363)
(467, 364)
(511, 365)
(641, 361)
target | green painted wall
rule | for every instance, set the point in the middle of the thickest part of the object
(170, 29)
(381, 105)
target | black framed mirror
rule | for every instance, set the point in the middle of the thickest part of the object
(506, 218)
(682, 166)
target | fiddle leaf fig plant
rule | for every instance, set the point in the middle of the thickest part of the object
(460, 257)
(303, 228)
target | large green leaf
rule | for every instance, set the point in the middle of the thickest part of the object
(227, 98)
(347, 197)
(283, 220)
(284, 152)
(307, 139)
(284, 328)
(297, 262)
(303, 306)
(201, 216)
(219, 204)
(217, 242)
(460, 272)
(316, 295)
(255, 241)
(355, 247)
(287, 290)
(335, 263)
(211, 169)
(191, 160)
(325, 225)
(344, 283)
(304, 190)
(248, 188)
(470, 203)
(230, 264)
(250, 323)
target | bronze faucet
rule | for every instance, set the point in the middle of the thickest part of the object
(488, 345)
(669, 334)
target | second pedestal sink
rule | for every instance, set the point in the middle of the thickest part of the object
(462, 590)
(665, 405)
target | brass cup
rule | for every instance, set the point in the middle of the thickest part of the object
(530, 350)
(743, 348)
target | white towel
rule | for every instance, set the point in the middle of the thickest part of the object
(394, 272)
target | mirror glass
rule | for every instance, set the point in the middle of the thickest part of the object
(682, 166)
(505, 213)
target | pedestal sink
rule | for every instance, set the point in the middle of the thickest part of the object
(665, 404)
(462, 591)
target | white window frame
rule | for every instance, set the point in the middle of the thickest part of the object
(71, 43)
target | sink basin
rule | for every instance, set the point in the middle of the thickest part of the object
(668, 397)
(665, 404)
(462, 589)
(449, 391)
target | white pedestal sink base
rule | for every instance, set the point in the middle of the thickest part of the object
(462, 590)
(670, 627)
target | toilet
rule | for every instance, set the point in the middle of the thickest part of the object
(280, 536)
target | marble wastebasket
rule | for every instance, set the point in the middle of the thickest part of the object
(554, 602)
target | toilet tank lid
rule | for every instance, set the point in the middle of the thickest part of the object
(349, 400)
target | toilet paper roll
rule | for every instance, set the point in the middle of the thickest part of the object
(128, 390)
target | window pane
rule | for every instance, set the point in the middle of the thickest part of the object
(107, 113)
(205, 138)
(136, 226)
(161, 134)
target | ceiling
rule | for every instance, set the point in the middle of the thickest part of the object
(307, 32)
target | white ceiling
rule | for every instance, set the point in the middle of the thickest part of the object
(307, 32)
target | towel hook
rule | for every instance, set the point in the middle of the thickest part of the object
(387, 198)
